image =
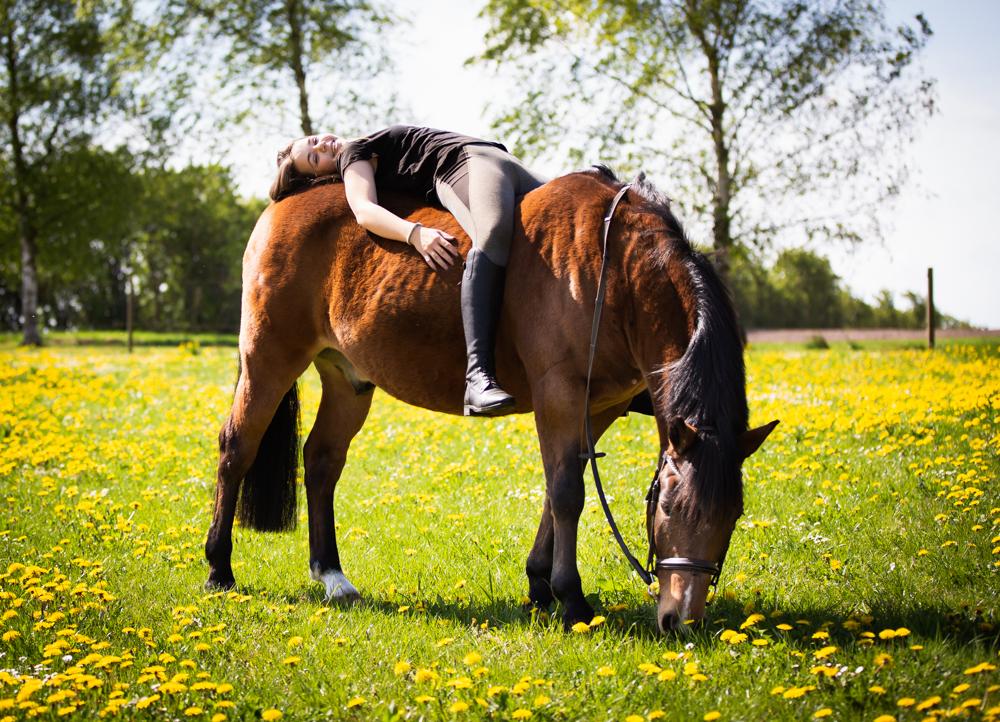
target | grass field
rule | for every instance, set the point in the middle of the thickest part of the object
(863, 583)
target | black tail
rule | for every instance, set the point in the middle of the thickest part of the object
(267, 494)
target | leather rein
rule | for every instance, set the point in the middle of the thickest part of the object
(646, 572)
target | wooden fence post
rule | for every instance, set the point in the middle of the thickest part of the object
(930, 308)
(129, 292)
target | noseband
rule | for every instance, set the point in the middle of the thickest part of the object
(680, 564)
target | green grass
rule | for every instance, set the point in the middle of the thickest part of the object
(873, 507)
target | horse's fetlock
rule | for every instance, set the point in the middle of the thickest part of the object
(566, 585)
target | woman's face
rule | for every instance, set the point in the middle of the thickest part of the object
(316, 155)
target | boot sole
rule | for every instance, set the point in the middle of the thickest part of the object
(496, 410)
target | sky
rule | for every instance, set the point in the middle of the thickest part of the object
(943, 219)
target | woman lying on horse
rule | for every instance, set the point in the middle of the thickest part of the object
(477, 181)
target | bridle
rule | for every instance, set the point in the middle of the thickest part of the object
(680, 564)
(647, 572)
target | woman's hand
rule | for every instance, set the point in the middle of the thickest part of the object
(436, 247)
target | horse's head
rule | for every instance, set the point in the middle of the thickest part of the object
(693, 508)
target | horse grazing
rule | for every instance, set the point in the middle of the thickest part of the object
(317, 289)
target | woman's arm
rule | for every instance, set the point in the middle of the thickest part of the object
(359, 185)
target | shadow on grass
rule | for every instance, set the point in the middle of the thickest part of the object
(965, 626)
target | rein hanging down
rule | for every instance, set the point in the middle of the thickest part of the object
(592, 455)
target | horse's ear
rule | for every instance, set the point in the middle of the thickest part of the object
(751, 439)
(680, 435)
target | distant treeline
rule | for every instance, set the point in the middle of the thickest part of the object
(800, 290)
(180, 234)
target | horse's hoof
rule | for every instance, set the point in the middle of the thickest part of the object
(339, 589)
(219, 583)
(583, 613)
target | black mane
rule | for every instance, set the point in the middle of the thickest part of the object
(707, 385)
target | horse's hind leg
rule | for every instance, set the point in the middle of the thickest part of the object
(264, 385)
(342, 412)
(539, 565)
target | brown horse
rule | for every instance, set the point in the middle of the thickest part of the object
(317, 289)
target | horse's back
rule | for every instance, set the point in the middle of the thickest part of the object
(397, 320)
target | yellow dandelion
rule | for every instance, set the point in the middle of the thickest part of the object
(906, 702)
(656, 714)
(291, 661)
(824, 670)
(596, 621)
(928, 703)
(825, 652)
(760, 642)
(667, 675)
(294, 642)
(355, 702)
(147, 701)
(752, 620)
(193, 711)
(541, 700)
(424, 698)
(732, 637)
(605, 671)
(876, 689)
(425, 675)
(218, 717)
(713, 715)
(270, 715)
(472, 659)
(521, 713)
(821, 713)
(981, 667)
(224, 688)
(458, 707)
(581, 628)
(884, 718)
(460, 683)
(401, 667)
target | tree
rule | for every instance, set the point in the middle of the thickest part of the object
(189, 249)
(329, 52)
(771, 117)
(67, 68)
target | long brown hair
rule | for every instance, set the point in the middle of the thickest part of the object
(290, 180)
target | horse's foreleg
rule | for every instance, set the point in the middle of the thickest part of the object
(342, 412)
(261, 387)
(561, 445)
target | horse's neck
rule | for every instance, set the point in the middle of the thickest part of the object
(664, 312)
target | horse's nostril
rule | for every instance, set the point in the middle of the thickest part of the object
(669, 622)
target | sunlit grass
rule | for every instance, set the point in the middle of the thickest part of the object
(863, 580)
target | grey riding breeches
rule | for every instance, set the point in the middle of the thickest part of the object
(483, 198)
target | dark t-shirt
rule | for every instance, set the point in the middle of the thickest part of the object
(411, 159)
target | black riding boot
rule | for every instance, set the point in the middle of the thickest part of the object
(482, 292)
